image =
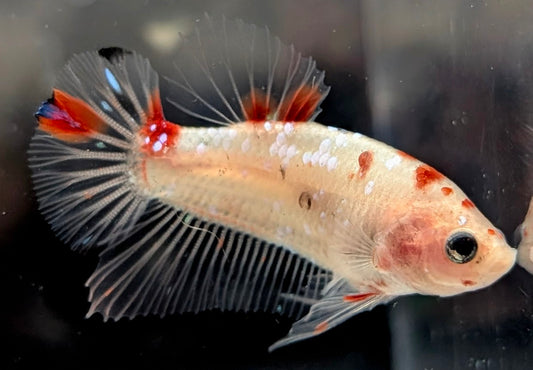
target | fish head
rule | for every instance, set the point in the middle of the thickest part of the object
(443, 250)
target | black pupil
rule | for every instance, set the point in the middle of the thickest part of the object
(461, 247)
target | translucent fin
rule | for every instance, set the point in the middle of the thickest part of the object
(340, 302)
(84, 149)
(228, 72)
(173, 262)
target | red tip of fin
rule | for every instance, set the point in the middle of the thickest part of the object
(321, 327)
(158, 134)
(357, 297)
(300, 105)
(68, 118)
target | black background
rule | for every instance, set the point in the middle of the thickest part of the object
(448, 82)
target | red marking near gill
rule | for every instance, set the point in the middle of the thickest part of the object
(320, 328)
(300, 105)
(257, 106)
(357, 297)
(468, 282)
(158, 134)
(403, 154)
(426, 175)
(467, 203)
(68, 118)
(446, 190)
(365, 160)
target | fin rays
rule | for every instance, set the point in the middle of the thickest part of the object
(178, 263)
(224, 62)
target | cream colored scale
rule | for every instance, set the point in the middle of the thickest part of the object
(296, 185)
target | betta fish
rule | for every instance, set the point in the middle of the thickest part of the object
(252, 206)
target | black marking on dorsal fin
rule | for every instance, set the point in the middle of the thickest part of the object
(173, 262)
(229, 71)
(113, 53)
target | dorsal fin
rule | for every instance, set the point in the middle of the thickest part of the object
(228, 72)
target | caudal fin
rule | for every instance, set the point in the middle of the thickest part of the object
(84, 149)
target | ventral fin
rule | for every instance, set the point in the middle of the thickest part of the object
(229, 72)
(340, 302)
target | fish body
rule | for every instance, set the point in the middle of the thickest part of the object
(266, 210)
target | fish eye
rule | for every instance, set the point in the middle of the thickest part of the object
(461, 247)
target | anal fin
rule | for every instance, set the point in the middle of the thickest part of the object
(340, 302)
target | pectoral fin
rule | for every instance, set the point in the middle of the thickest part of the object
(340, 302)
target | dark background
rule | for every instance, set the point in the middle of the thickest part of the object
(450, 82)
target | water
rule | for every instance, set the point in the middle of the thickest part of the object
(449, 82)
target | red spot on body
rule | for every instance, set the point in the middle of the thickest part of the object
(467, 203)
(158, 134)
(320, 328)
(257, 106)
(491, 231)
(357, 297)
(300, 105)
(426, 175)
(524, 231)
(446, 190)
(403, 154)
(365, 160)
(468, 282)
(68, 118)
(351, 175)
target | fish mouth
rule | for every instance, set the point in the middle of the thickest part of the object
(498, 265)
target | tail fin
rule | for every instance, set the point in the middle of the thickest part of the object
(86, 144)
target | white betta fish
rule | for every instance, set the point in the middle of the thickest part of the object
(264, 210)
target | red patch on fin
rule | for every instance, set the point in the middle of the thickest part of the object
(446, 190)
(321, 327)
(365, 160)
(300, 105)
(158, 134)
(68, 118)
(357, 297)
(467, 203)
(257, 106)
(425, 175)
